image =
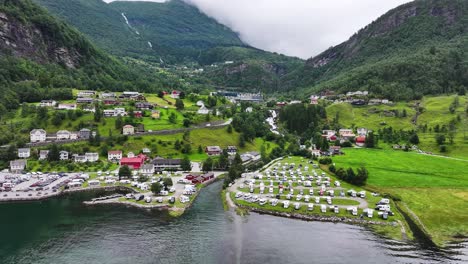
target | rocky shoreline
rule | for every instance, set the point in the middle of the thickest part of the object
(319, 218)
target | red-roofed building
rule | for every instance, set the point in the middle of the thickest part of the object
(134, 163)
(361, 141)
(175, 94)
(196, 179)
(138, 114)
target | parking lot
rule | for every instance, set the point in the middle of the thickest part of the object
(32, 186)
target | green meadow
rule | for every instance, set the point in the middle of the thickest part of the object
(434, 188)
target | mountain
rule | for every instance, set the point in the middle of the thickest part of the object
(248, 69)
(173, 31)
(415, 49)
(42, 58)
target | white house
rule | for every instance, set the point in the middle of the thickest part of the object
(120, 111)
(64, 155)
(346, 133)
(314, 100)
(128, 130)
(316, 152)
(47, 103)
(66, 107)
(114, 155)
(147, 169)
(86, 93)
(43, 154)
(362, 131)
(249, 109)
(107, 95)
(17, 166)
(92, 156)
(74, 135)
(79, 158)
(63, 135)
(24, 153)
(203, 111)
(38, 135)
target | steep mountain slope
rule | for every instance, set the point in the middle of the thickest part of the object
(38, 53)
(251, 70)
(174, 31)
(418, 48)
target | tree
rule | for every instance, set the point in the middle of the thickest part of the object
(54, 153)
(42, 113)
(207, 165)
(97, 113)
(160, 94)
(325, 146)
(440, 139)
(57, 118)
(168, 182)
(242, 140)
(223, 160)
(414, 139)
(156, 188)
(173, 118)
(370, 140)
(229, 129)
(124, 171)
(361, 177)
(187, 148)
(179, 104)
(200, 149)
(118, 123)
(187, 122)
(186, 165)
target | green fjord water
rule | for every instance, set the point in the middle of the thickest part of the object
(63, 230)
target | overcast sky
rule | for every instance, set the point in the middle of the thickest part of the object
(302, 28)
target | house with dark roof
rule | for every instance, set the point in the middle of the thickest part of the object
(213, 150)
(162, 164)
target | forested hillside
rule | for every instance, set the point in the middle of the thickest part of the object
(173, 31)
(418, 48)
(42, 58)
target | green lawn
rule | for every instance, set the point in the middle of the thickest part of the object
(434, 188)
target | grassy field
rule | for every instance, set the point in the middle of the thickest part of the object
(364, 116)
(436, 112)
(434, 188)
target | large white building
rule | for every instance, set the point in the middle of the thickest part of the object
(63, 135)
(38, 135)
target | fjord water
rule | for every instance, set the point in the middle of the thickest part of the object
(63, 230)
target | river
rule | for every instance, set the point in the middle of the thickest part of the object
(63, 230)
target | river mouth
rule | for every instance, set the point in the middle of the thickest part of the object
(63, 230)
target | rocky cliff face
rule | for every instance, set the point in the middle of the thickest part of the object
(26, 40)
(444, 14)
